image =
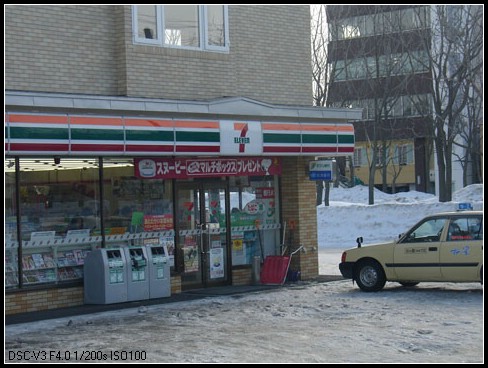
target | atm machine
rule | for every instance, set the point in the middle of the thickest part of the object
(137, 273)
(159, 272)
(105, 277)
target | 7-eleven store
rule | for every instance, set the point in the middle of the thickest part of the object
(215, 181)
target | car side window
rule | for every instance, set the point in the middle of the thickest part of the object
(465, 228)
(427, 231)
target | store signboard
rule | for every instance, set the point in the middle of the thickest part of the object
(239, 137)
(184, 168)
(321, 170)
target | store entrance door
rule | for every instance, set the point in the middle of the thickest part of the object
(202, 240)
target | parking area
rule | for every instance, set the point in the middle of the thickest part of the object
(304, 322)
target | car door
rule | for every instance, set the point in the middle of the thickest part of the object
(417, 254)
(462, 251)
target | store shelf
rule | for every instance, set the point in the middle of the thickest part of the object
(47, 264)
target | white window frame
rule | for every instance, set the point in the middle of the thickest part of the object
(202, 26)
(403, 154)
(205, 31)
(135, 28)
(381, 155)
(358, 156)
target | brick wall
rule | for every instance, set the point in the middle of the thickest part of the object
(60, 49)
(35, 300)
(30, 301)
(242, 276)
(175, 284)
(300, 208)
(89, 50)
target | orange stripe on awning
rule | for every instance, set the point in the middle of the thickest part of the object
(149, 123)
(280, 126)
(345, 128)
(45, 119)
(319, 128)
(95, 120)
(197, 124)
(328, 128)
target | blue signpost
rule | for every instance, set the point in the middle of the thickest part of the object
(320, 175)
(321, 170)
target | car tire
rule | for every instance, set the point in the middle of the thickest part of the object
(370, 275)
(408, 284)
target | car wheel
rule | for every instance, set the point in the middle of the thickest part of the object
(408, 284)
(370, 276)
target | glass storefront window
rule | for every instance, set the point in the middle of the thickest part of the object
(254, 218)
(58, 195)
(61, 210)
(65, 203)
(10, 210)
(135, 205)
(59, 214)
(11, 244)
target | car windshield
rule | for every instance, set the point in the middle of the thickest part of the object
(429, 230)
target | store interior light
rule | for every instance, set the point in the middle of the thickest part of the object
(65, 163)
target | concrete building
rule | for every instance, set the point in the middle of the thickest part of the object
(380, 56)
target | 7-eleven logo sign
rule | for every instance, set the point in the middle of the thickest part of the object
(242, 139)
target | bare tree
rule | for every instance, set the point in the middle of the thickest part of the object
(443, 45)
(320, 67)
(321, 74)
(454, 60)
(381, 65)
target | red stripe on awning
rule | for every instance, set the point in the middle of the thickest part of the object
(148, 148)
(97, 148)
(31, 147)
(282, 149)
(190, 149)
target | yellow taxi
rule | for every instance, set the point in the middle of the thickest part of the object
(446, 247)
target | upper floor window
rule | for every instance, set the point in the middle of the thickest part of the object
(403, 154)
(368, 67)
(358, 158)
(200, 27)
(380, 23)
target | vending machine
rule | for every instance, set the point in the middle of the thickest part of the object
(137, 273)
(105, 277)
(159, 272)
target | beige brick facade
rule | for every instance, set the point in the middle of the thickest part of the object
(34, 300)
(242, 276)
(299, 209)
(89, 50)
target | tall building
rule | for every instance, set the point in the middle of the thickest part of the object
(380, 60)
(134, 128)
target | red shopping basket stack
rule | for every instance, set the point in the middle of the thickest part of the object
(274, 270)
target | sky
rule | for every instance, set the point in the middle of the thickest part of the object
(302, 322)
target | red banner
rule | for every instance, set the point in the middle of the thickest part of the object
(158, 222)
(184, 168)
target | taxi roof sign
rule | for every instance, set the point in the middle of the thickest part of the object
(465, 206)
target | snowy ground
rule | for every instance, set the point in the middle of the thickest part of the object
(305, 322)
